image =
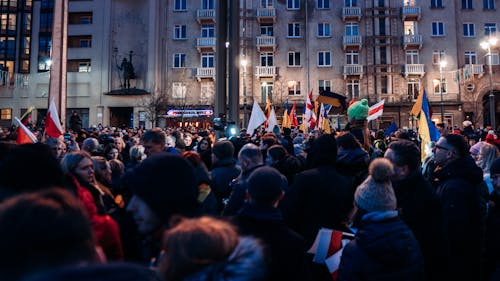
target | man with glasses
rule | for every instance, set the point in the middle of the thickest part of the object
(457, 179)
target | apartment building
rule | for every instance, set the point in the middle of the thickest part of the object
(374, 49)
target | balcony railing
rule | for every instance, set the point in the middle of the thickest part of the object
(352, 41)
(266, 15)
(474, 69)
(353, 69)
(350, 13)
(266, 42)
(205, 42)
(265, 71)
(414, 69)
(205, 15)
(411, 13)
(205, 72)
(410, 40)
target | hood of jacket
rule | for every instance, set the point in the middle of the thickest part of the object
(464, 168)
(353, 157)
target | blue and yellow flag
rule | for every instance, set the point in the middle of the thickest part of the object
(426, 129)
(286, 118)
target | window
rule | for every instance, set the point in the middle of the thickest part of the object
(207, 90)
(79, 65)
(294, 30)
(384, 84)
(179, 32)
(323, 4)
(470, 57)
(325, 85)
(266, 59)
(207, 4)
(84, 66)
(83, 41)
(293, 58)
(293, 4)
(350, 3)
(412, 57)
(6, 114)
(353, 88)
(80, 18)
(207, 60)
(179, 60)
(266, 90)
(351, 29)
(438, 56)
(267, 29)
(294, 88)
(208, 31)
(324, 29)
(488, 4)
(469, 30)
(324, 58)
(467, 4)
(490, 29)
(413, 89)
(437, 4)
(438, 28)
(266, 3)
(495, 59)
(180, 5)
(352, 57)
(178, 90)
(439, 86)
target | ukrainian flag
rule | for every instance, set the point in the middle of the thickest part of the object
(426, 129)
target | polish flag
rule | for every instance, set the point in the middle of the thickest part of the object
(375, 111)
(52, 124)
(24, 135)
(310, 115)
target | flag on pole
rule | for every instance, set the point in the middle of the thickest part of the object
(293, 115)
(257, 118)
(375, 111)
(272, 120)
(326, 122)
(426, 129)
(286, 118)
(24, 135)
(27, 116)
(310, 115)
(52, 124)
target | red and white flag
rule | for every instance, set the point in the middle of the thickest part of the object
(24, 135)
(375, 111)
(328, 247)
(52, 124)
(310, 115)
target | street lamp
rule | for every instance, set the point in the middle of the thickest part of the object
(441, 65)
(487, 46)
(244, 63)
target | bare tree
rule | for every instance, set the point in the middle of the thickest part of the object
(154, 104)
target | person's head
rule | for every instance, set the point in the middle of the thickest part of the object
(117, 167)
(137, 153)
(79, 164)
(202, 245)
(102, 170)
(111, 151)
(153, 141)
(163, 185)
(405, 157)
(487, 154)
(265, 186)
(358, 110)
(249, 156)
(42, 231)
(204, 144)
(90, 145)
(375, 194)
(275, 153)
(323, 151)
(346, 140)
(223, 150)
(57, 147)
(450, 148)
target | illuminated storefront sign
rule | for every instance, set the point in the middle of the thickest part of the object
(172, 113)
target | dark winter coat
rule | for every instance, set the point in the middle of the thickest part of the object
(420, 208)
(239, 188)
(458, 189)
(284, 249)
(384, 249)
(223, 172)
(353, 162)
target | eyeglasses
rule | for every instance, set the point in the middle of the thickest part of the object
(441, 147)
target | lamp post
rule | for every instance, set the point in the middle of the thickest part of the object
(441, 65)
(487, 46)
(244, 65)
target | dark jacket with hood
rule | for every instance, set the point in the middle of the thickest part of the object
(238, 192)
(384, 249)
(458, 189)
(353, 162)
(223, 172)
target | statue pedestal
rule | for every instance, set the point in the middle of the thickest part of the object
(127, 92)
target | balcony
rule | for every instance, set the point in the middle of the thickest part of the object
(352, 41)
(474, 69)
(351, 13)
(205, 16)
(205, 44)
(266, 15)
(353, 70)
(265, 71)
(411, 13)
(412, 41)
(414, 69)
(265, 43)
(205, 73)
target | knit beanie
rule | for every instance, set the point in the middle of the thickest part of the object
(167, 184)
(265, 185)
(223, 149)
(375, 194)
(358, 110)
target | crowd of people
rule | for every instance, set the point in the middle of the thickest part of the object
(178, 204)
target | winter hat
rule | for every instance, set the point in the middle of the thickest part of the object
(223, 149)
(474, 150)
(466, 123)
(265, 185)
(166, 183)
(358, 110)
(375, 194)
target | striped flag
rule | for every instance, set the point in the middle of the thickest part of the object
(24, 135)
(375, 111)
(293, 115)
(52, 124)
(310, 115)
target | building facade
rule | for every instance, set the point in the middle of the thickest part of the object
(374, 49)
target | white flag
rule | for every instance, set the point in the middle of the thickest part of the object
(257, 118)
(272, 121)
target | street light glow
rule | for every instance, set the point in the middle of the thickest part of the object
(244, 62)
(443, 63)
